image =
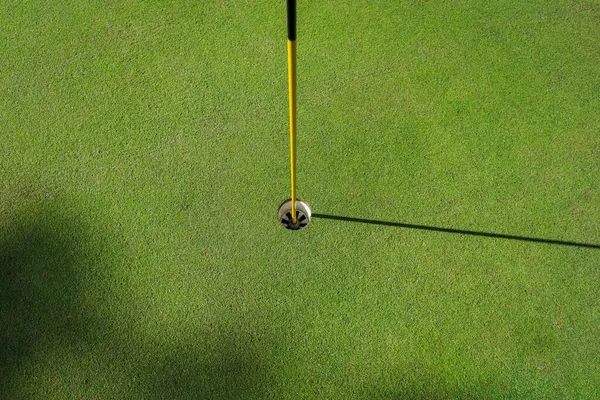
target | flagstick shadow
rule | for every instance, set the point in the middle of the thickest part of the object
(457, 231)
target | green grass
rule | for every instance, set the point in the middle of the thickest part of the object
(144, 153)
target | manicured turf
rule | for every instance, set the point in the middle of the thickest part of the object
(145, 151)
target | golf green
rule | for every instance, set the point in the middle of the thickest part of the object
(144, 152)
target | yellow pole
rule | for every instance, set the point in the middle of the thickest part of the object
(291, 46)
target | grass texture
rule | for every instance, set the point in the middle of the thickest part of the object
(144, 152)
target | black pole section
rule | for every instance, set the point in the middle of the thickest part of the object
(291, 16)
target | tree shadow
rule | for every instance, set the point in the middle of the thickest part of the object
(422, 384)
(419, 393)
(232, 369)
(41, 303)
(53, 301)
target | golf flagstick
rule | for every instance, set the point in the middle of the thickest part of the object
(293, 213)
(291, 51)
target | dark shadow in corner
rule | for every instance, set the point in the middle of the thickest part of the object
(433, 390)
(457, 231)
(41, 302)
(418, 382)
(227, 369)
(53, 300)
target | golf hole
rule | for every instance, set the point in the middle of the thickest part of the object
(303, 214)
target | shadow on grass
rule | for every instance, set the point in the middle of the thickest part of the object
(229, 370)
(432, 392)
(56, 342)
(457, 231)
(420, 383)
(41, 302)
